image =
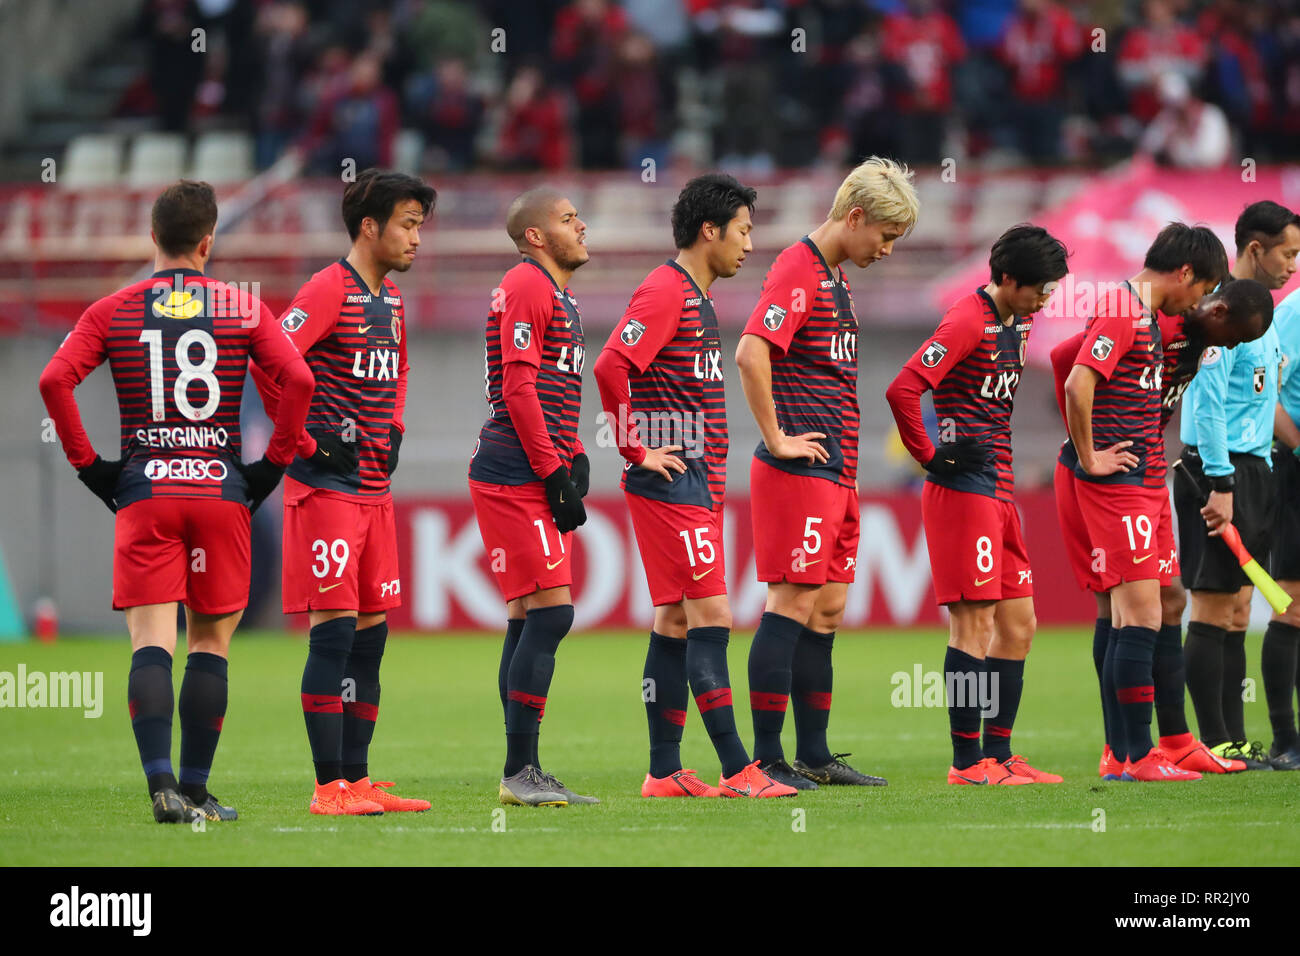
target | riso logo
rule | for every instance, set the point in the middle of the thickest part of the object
(74, 909)
(186, 469)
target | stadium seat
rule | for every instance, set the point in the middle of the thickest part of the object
(1000, 204)
(155, 158)
(92, 159)
(222, 157)
(408, 151)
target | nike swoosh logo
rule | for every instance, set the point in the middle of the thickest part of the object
(980, 584)
(323, 588)
(569, 324)
(814, 561)
(969, 780)
(737, 790)
(321, 703)
(716, 695)
(701, 574)
(552, 567)
(1140, 560)
(699, 333)
(363, 328)
(995, 355)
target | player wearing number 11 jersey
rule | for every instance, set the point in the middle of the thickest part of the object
(980, 566)
(178, 344)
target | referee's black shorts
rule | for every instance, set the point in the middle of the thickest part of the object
(1285, 563)
(1207, 564)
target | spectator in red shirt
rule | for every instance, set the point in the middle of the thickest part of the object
(359, 122)
(924, 45)
(584, 49)
(1040, 41)
(535, 133)
(1158, 46)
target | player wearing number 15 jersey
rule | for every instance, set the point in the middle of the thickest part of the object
(340, 539)
(798, 364)
(178, 344)
(980, 566)
(660, 378)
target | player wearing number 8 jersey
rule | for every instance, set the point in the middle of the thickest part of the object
(178, 344)
(340, 539)
(660, 378)
(798, 366)
(977, 552)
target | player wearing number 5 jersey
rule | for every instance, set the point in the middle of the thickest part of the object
(980, 566)
(340, 539)
(178, 344)
(798, 365)
(660, 378)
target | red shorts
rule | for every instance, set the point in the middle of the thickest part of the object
(1078, 549)
(977, 552)
(525, 551)
(340, 552)
(193, 550)
(681, 548)
(1123, 523)
(805, 529)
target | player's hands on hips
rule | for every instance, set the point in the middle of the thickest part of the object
(951, 458)
(580, 473)
(663, 462)
(1109, 461)
(261, 477)
(1217, 512)
(566, 504)
(394, 447)
(101, 477)
(334, 454)
(787, 447)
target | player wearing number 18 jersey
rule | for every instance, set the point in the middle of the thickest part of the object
(798, 365)
(980, 566)
(178, 344)
(660, 378)
(340, 539)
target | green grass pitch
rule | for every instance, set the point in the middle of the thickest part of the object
(72, 793)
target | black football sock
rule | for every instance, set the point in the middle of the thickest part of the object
(706, 670)
(514, 628)
(149, 698)
(1134, 650)
(361, 712)
(328, 648)
(1118, 727)
(529, 681)
(1169, 674)
(771, 656)
(1203, 657)
(1278, 662)
(1234, 674)
(1006, 684)
(1100, 639)
(204, 691)
(664, 691)
(963, 676)
(811, 678)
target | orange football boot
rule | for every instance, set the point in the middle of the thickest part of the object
(683, 783)
(1156, 766)
(334, 799)
(1019, 767)
(752, 782)
(1110, 767)
(987, 771)
(363, 789)
(1196, 756)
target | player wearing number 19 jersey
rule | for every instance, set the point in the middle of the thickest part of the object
(660, 378)
(179, 344)
(980, 566)
(340, 539)
(798, 366)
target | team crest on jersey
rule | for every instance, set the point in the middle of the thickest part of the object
(294, 320)
(396, 328)
(179, 304)
(1258, 380)
(1101, 348)
(1024, 348)
(631, 333)
(523, 335)
(1210, 356)
(773, 318)
(933, 354)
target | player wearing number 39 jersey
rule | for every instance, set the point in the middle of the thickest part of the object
(340, 539)
(798, 366)
(978, 559)
(660, 378)
(179, 344)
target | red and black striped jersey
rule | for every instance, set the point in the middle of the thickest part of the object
(354, 341)
(1182, 359)
(805, 312)
(670, 334)
(1122, 343)
(972, 364)
(178, 344)
(533, 321)
(1063, 355)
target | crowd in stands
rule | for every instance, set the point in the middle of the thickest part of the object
(598, 84)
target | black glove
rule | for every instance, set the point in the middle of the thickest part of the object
(394, 447)
(261, 477)
(334, 454)
(101, 477)
(580, 472)
(965, 454)
(566, 504)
